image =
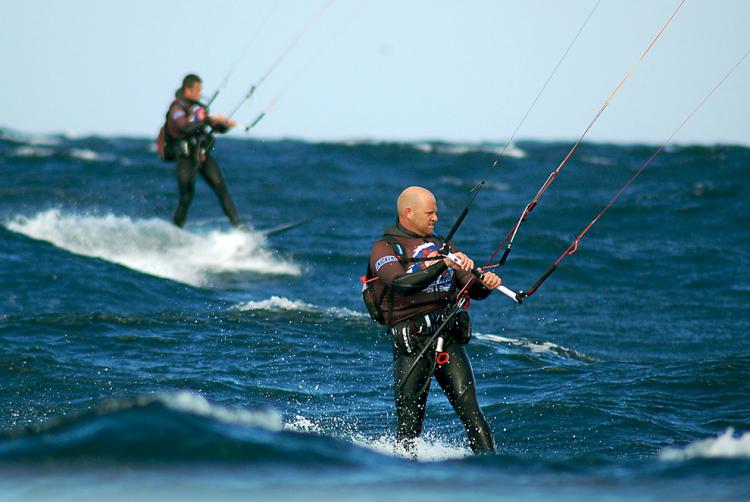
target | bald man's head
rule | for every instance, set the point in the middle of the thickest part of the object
(417, 211)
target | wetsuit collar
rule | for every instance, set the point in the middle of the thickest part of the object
(398, 231)
(181, 97)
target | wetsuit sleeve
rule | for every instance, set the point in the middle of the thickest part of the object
(182, 122)
(409, 284)
(385, 264)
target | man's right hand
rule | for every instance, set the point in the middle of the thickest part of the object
(466, 263)
(219, 119)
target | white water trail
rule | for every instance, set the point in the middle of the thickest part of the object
(154, 246)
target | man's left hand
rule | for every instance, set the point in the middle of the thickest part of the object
(491, 280)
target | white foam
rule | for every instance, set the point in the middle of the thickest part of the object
(459, 149)
(447, 148)
(90, 155)
(598, 160)
(280, 304)
(32, 151)
(302, 424)
(31, 139)
(154, 246)
(726, 445)
(276, 303)
(458, 182)
(195, 404)
(464, 148)
(189, 402)
(429, 448)
(535, 347)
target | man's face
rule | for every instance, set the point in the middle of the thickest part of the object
(194, 92)
(423, 216)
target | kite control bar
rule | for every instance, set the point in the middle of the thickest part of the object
(516, 297)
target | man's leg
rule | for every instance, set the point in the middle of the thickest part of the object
(457, 380)
(186, 183)
(410, 399)
(212, 174)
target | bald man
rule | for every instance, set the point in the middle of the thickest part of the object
(415, 293)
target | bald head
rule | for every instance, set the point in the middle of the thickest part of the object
(415, 198)
(417, 210)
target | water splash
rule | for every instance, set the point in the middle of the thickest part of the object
(154, 246)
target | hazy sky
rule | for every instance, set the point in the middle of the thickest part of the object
(385, 69)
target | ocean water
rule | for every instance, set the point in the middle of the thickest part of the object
(142, 361)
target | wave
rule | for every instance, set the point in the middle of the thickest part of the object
(545, 348)
(158, 427)
(90, 155)
(184, 427)
(444, 147)
(458, 182)
(283, 304)
(511, 151)
(33, 152)
(154, 246)
(28, 138)
(725, 445)
(45, 151)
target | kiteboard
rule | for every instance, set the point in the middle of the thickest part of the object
(283, 228)
(265, 232)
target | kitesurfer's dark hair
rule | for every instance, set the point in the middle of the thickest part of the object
(190, 80)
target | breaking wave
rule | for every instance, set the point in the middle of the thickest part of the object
(282, 304)
(725, 445)
(545, 348)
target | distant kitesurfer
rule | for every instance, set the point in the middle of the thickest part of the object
(414, 297)
(188, 139)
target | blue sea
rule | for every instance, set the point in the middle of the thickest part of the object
(140, 361)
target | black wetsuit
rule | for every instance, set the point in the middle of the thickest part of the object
(187, 169)
(408, 292)
(187, 124)
(456, 378)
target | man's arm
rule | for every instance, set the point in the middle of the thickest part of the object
(385, 264)
(182, 123)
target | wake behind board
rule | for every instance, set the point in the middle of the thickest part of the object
(283, 228)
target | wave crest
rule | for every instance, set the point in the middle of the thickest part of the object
(725, 445)
(283, 304)
(542, 348)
